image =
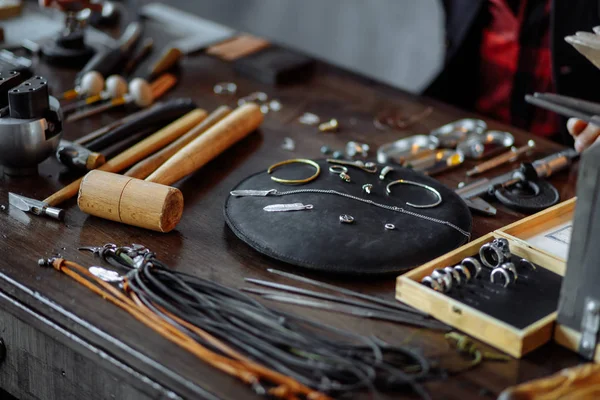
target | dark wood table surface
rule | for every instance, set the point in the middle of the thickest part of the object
(203, 245)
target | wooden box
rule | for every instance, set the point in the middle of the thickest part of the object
(533, 330)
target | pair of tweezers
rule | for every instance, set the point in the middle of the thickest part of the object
(587, 111)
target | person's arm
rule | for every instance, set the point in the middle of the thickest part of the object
(584, 134)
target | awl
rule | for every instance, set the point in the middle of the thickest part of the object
(35, 206)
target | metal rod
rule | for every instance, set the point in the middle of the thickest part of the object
(324, 296)
(354, 311)
(345, 291)
(510, 156)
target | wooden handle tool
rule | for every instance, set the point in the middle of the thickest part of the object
(230, 130)
(137, 152)
(147, 166)
(151, 204)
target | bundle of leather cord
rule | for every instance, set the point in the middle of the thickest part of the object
(277, 353)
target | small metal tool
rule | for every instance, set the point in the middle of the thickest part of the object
(567, 106)
(325, 296)
(76, 156)
(35, 206)
(355, 311)
(347, 292)
(530, 176)
(510, 156)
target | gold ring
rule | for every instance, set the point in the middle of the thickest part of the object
(295, 181)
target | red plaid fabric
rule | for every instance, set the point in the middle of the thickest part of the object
(516, 60)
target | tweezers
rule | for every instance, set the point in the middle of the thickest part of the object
(567, 106)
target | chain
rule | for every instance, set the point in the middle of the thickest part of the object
(401, 210)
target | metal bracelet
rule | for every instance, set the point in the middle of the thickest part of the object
(421, 185)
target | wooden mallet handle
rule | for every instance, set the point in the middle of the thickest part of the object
(150, 164)
(224, 134)
(136, 152)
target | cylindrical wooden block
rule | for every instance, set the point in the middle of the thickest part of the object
(130, 201)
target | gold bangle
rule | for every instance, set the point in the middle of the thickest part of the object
(295, 181)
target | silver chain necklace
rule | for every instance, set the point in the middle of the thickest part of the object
(274, 192)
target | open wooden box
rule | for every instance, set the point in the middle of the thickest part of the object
(526, 239)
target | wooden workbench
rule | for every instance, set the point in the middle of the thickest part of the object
(64, 342)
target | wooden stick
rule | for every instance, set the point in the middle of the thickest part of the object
(163, 85)
(147, 166)
(230, 130)
(137, 152)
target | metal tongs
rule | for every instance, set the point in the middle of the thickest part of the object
(588, 44)
(566, 106)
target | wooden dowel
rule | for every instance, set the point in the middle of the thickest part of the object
(137, 152)
(150, 164)
(231, 129)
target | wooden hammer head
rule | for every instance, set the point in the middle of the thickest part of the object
(131, 201)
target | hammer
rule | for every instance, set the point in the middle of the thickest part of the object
(151, 203)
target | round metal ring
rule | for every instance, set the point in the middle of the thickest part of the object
(338, 169)
(502, 272)
(491, 256)
(295, 181)
(426, 187)
(474, 263)
(432, 283)
(455, 275)
(511, 267)
(504, 247)
(444, 277)
(464, 270)
(390, 227)
(346, 219)
(386, 170)
(528, 264)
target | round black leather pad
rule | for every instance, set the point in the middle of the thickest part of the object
(316, 239)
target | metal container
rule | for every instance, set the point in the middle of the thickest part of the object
(477, 147)
(450, 135)
(24, 143)
(410, 148)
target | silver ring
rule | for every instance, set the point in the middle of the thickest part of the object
(503, 245)
(474, 263)
(446, 278)
(367, 188)
(464, 270)
(455, 275)
(426, 187)
(386, 170)
(338, 169)
(531, 266)
(502, 272)
(487, 252)
(346, 219)
(390, 227)
(511, 267)
(432, 283)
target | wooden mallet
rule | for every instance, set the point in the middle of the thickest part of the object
(151, 203)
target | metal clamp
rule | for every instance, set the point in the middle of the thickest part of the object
(590, 325)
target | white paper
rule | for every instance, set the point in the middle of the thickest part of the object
(555, 241)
